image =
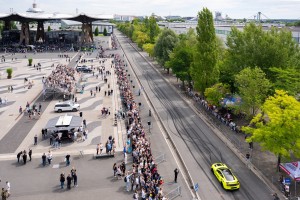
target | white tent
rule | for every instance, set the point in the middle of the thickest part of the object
(292, 169)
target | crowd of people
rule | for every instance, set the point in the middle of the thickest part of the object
(62, 78)
(144, 178)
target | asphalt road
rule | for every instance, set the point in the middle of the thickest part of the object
(196, 142)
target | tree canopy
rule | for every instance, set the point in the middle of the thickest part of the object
(215, 93)
(164, 45)
(253, 88)
(204, 69)
(277, 127)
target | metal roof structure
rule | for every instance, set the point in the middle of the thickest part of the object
(30, 16)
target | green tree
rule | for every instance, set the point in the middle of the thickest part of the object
(204, 69)
(215, 93)
(153, 29)
(149, 48)
(49, 28)
(254, 47)
(96, 31)
(182, 57)
(105, 32)
(277, 127)
(164, 45)
(140, 38)
(287, 79)
(253, 87)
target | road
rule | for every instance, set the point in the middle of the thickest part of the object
(194, 139)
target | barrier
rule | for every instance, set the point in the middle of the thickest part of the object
(174, 193)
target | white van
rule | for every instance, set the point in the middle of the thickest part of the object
(66, 106)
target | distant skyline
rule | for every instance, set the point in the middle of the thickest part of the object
(273, 9)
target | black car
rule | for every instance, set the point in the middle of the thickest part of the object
(83, 69)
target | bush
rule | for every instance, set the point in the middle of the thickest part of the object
(9, 72)
(105, 32)
(29, 61)
(96, 31)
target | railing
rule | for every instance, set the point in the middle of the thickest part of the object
(174, 193)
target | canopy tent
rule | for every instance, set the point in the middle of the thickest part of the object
(65, 122)
(292, 169)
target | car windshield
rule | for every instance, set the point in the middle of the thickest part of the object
(228, 175)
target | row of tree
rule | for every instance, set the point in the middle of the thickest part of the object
(262, 67)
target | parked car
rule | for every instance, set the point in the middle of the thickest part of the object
(224, 175)
(83, 69)
(66, 106)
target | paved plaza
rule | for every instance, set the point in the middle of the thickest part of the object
(95, 177)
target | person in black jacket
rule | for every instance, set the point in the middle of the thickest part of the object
(24, 157)
(44, 159)
(30, 154)
(19, 155)
(62, 180)
(69, 181)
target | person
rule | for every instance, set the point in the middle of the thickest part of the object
(24, 157)
(35, 139)
(101, 148)
(75, 179)
(62, 180)
(84, 123)
(176, 172)
(19, 155)
(44, 159)
(115, 169)
(8, 188)
(49, 157)
(40, 107)
(275, 196)
(30, 154)
(136, 195)
(97, 149)
(67, 160)
(69, 181)
(4, 194)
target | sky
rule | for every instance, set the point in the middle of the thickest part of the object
(272, 9)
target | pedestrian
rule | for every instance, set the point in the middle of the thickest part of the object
(86, 134)
(97, 149)
(69, 181)
(40, 107)
(67, 159)
(44, 159)
(115, 169)
(127, 180)
(51, 140)
(4, 194)
(30, 154)
(84, 123)
(275, 196)
(24, 157)
(62, 180)
(101, 148)
(20, 110)
(91, 91)
(104, 93)
(49, 157)
(19, 155)
(35, 139)
(8, 188)
(176, 172)
(75, 179)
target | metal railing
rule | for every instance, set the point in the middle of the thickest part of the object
(174, 193)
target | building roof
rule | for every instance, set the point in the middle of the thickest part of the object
(31, 16)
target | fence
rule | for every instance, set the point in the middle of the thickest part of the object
(174, 193)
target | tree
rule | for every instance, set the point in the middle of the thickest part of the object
(215, 93)
(277, 127)
(287, 79)
(140, 38)
(204, 68)
(182, 57)
(153, 29)
(254, 47)
(96, 31)
(149, 48)
(164, 45)
(49, 28)
(105, 32)
(253, 88)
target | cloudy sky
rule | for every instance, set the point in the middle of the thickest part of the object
(288, 9)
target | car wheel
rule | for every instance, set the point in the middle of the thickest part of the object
(212, 170)
(59, 110)
(74, 110)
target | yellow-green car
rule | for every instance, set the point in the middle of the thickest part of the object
(225, 176)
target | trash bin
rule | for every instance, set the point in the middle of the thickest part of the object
(80, 114)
